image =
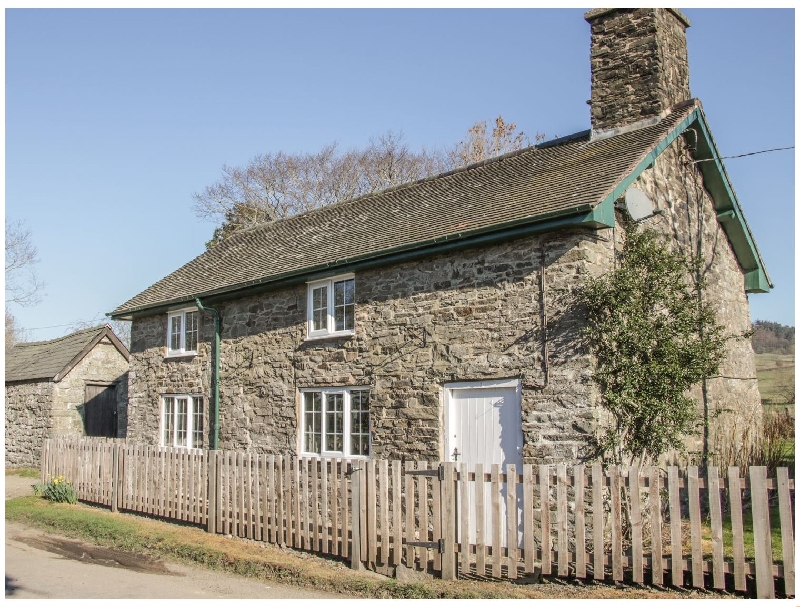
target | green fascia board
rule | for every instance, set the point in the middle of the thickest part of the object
(726, 205)
(601, 216)
(729, 211)
(648, 160)
(755, 281)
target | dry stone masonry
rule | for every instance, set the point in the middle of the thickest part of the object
(640, 67)
(494, 311)
(43, 408)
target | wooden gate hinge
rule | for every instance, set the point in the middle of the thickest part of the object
(437, 545)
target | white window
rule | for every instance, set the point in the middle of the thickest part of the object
(335, 422)
(182, 421)
(331, 307)
(182, 331)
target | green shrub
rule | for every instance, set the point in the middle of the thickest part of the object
(57, 489)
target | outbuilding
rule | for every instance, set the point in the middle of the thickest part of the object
(72, 385)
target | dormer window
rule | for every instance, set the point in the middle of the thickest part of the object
(182, 332)
(331, 307)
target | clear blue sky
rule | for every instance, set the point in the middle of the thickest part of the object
(114, 118)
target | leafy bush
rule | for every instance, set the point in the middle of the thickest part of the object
(653, 336)
(57, 489)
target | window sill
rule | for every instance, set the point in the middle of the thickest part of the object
(336, 456)
(172, 355)
(197, 450)
(337, 335)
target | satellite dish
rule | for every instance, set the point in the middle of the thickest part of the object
(638, 204)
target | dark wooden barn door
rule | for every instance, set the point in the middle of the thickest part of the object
(100, 410)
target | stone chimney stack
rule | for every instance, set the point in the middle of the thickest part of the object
(640, 66)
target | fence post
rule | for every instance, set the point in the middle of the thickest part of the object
(787, 533)
(762, 541)
(355, 491)
(114, 476)
(44, 460)
(448, 513)
(211, 473)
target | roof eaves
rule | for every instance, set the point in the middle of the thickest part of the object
(580, 214)
(725, 200)
(726, 204)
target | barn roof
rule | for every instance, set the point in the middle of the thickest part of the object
(539, 187)
(52, 360)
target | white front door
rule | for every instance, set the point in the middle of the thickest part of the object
(484, 426)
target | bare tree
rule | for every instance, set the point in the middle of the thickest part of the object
(273, 186)
(23, 286)
(14, 333)
(481, 144)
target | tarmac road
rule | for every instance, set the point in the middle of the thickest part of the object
(40, 565)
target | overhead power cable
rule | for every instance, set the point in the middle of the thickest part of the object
(742, 155)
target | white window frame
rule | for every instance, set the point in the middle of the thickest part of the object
(328, 284)
(192, 403)
(346, 441)
(181, 351)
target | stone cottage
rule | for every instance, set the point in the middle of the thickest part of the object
(434, 320)
(73, 385)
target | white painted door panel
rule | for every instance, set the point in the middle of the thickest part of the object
(484, 425)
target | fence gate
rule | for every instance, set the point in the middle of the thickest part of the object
(426, 532)
(428, 513)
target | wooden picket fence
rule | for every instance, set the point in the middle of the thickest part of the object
(649, 526)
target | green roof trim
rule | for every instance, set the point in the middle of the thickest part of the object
(572, 182)
(755, 281)
(600, 216)
(729, 211)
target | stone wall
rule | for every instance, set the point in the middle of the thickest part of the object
(28, 422)
(39, 410)
(469, 315)
(473, 315)
(640, 66)
(152, 374)
(103, 364)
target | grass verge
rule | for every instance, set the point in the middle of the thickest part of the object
(270, 563)
(747, 525)
(194, 546)
(24, 472)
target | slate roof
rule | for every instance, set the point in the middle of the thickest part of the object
(561, 178)
(48, 360)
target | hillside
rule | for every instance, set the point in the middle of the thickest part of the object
(776, 378)
(773, 344)
(772, 338)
